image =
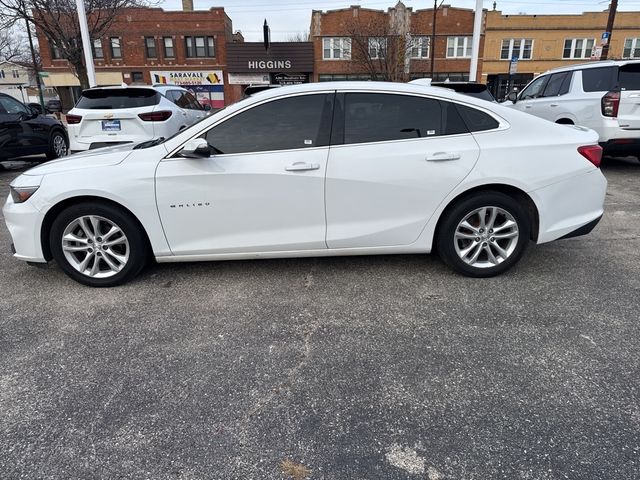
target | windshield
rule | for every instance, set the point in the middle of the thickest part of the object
(158, 141)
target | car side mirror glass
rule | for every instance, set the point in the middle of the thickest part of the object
(513, 96)
(206, 107)
(195, 148)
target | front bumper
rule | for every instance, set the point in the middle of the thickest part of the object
(23, 221)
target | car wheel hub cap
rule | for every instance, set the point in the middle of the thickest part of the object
(95, 246)
(486, 237)
(59, 146)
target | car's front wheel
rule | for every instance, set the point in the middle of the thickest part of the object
(484, 235)
(98, 244)
(58, 146)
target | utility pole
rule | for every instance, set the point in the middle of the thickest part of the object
(86, 43)
(475, 47)
(613, 6)
(432, 47)
(36, 70)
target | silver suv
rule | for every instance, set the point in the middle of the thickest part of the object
(603, 96)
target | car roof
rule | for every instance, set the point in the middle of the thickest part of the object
(379, 87)
(593, 64)
(159, 88)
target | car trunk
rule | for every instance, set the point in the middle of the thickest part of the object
(111, 115)
(629, 108)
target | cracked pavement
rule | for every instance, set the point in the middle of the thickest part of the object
(388, 367)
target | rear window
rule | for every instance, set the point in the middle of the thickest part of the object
(108, 99)
(629, 77)
(598, 79)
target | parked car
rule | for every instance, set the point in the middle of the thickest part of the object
(342, 168)
(110, 116)
(23, 131)
(603, 96)
(473, 89)
(53, 106)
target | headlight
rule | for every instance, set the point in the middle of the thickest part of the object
(22, 194)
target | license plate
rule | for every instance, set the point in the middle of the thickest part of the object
(110, 125)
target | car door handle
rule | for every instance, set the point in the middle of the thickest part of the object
(528, 106)
(553, 105)
(442, 157)
(301, 166)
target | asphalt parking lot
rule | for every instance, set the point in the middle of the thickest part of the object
(334, 368)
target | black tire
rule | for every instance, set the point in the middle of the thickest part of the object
(137, 243)
(446, 241)
(52, 151)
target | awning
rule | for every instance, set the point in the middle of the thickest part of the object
(70, 80)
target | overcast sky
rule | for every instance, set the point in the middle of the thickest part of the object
(288, 17)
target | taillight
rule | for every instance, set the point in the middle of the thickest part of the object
(160, 116)
(73, 119)
(610, 104)
(593, 153)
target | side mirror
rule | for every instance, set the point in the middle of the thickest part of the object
(34, 111)
(513, 96)
(206, 107)
(195, 148)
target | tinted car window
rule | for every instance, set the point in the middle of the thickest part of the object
(535, 88)
(193, 103)
(451, 120)
(107, 99)
(629, 77)
(555, 84)
(13, 106)
(296, 122)
(476, 120)
(376, 117)
(598, 79)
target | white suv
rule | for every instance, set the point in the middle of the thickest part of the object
(110, 116)
(603, 96)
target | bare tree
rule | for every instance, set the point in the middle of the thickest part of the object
(299, 37)
(380, 49)
(58, 20)
(12, 45)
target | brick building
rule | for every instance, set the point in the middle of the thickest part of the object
(541, 42)
(340, 54)
(151, 45)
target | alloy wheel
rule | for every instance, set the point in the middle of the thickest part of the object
(59, 145)
(486, 237)
(95, 246)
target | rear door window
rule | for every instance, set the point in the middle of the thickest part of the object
(598, 79)
(379, 117)
(109, 99)
(558, 84)
(629, 77)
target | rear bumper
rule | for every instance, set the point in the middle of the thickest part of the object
(571, 207)
(621, 146)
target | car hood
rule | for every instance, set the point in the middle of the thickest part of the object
(102, 157)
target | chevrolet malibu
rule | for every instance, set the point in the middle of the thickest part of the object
(316, 170)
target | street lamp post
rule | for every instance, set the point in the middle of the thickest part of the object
(475, 46)
(86, 43)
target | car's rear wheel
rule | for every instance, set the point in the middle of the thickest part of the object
(97, 244)
(484, 235)
(58, 146)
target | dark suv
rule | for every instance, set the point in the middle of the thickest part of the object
(23, 131)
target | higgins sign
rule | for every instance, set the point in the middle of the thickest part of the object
(269, 64)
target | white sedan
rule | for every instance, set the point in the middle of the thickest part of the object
(319, 169)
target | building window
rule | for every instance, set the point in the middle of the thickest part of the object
(55, 52)
(168, 47)
(578, 47)
(377, 47)
(200, 47)
(631, 48)
(458, 47)
(150, 47)
(337, 48)
(420, 47)
(1, 73)
(137, 77)
(15, 74)
(97, 49)
(116, 49)
(521, 48)
(328, 77)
